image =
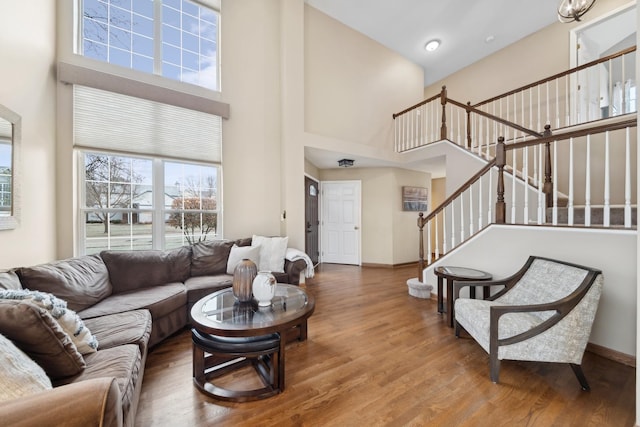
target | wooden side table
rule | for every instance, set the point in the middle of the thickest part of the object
(461, 274)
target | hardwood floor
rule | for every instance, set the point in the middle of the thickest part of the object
(379, 357)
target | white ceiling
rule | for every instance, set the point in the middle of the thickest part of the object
(405, 26)
(463, 26)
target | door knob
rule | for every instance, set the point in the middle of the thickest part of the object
(355, 227)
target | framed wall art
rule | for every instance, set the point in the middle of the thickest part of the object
(414, 199)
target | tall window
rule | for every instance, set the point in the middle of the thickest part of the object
(177, 39)
(142, 203)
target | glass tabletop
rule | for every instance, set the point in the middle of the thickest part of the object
(221, 310)
(464, 272)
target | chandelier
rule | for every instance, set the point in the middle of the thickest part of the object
(573, 10)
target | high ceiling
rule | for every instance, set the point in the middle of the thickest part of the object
(468, 29)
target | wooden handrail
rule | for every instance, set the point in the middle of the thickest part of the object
(419, 104)
(495, 118)
(558, 75)
(459, 191)
(574, 134)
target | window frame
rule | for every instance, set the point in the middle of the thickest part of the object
(158, 210)
(157, 41)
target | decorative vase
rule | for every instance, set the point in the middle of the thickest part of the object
(264, 288)
(243, 276)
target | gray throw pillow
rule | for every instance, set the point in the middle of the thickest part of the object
(34, 331)
(210, 258)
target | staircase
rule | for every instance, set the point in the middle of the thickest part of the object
(581, 174)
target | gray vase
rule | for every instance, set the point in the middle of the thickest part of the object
(243, 276)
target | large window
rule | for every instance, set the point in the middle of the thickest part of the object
(5, 175)
(177, 39)
(143, 203)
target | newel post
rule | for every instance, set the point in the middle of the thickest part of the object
(547, 188)
(443, 102)
(421, 223)
(501, 157)
(469, 125)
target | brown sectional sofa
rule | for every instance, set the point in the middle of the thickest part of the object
(130, 301)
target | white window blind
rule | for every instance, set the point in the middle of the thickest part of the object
(112, 121)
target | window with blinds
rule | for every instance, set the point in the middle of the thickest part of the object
(150, 172)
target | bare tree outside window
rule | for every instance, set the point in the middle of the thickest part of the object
(111, 182)
(194, 211)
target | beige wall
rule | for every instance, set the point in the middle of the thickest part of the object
(353, 85)
(252, 171)
(389, 235)
(28, 50)
(537, 56)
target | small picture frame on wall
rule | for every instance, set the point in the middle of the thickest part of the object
(414, 199)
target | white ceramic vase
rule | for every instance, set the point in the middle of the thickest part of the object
(264, 288)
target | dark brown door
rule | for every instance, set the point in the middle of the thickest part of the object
(311, 218)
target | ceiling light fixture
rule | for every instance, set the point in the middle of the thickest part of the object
(345, 163)
(573, 10)
(432, 45)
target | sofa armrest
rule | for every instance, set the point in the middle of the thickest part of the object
(294, 269)
(95, 402)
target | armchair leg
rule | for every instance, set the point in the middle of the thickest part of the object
(494, 368)
(577, 369)
(456, 328)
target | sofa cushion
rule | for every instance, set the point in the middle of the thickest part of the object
(131, 270)
(201, 286)
(123, 362)
(80, 281)
(130, 327)
(9, 280)
(37, 333)
(272, 251)
(68, 320)
(238, 253)
(210, 258)
(159, 300)
(19, 376)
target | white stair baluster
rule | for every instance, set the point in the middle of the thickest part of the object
(471, 216)
(453, 224)
(428, 254)
(606, 221)
(571, 173)
(513, 187)
(444, 231)
(462, 227)
(587, 188)
(437, 240)
(627, 181)
(525, 176)
(480, 202)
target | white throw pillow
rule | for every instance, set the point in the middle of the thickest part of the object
(19, 376)
(238, 253)
(68, 319)
(272, 251)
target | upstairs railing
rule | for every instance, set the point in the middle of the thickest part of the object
(597, 90)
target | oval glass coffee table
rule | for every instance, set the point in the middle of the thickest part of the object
(222, 323)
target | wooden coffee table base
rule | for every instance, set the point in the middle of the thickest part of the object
(214, 357)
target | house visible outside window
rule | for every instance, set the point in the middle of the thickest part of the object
(177, 39)
(120, 202)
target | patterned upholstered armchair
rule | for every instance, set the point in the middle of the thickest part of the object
(543, 313)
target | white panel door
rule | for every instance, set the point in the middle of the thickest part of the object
(340, 222)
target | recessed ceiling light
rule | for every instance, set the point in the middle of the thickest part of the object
(489, 39)
(432, 45)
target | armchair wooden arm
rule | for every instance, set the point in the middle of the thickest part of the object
(551, 311)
